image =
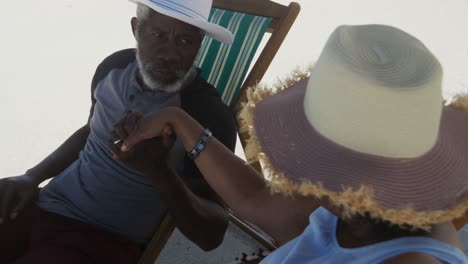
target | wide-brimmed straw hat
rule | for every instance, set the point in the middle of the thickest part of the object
(366, 128)
(193, 12)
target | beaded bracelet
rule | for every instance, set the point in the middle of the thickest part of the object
(201, 144)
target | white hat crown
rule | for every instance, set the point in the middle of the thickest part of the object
(376, 90)
(199, 9)
(193, 12)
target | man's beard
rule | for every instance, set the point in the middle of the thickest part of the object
(156, 86)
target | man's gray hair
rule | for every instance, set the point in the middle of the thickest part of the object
(143, 12)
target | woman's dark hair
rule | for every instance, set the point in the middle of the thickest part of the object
(387, 230)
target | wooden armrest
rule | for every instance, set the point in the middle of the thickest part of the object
(159, 240)
(256, 233)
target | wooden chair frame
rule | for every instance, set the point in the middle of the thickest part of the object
(283, 17)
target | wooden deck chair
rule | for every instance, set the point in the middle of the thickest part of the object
(226, 68)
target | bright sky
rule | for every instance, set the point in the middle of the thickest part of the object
(50, 50)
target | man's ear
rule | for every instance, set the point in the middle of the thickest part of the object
(134, 23)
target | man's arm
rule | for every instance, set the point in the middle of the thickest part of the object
(203, 103)
(190, 201)
(206, 221)
(200, 219)
(69, 151)
(19, 191)
(61, 158)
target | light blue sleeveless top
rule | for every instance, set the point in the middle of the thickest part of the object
(318, 244)
(101, 191)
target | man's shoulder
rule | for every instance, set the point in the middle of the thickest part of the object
(202, 97)
(118, 60)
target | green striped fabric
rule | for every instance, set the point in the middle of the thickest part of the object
(225, 66)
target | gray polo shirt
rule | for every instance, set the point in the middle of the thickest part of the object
(99, 190)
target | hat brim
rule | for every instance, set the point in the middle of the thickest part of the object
(418, 191)
(211, 30)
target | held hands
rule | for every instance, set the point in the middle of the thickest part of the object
(160, 124)
(15, 194)
(150, 154)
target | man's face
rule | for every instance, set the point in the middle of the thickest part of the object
(167, 48)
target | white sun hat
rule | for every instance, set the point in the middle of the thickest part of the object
(193, 12)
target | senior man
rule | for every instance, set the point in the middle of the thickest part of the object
(99, 209)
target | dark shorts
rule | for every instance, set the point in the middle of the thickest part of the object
(37, 236)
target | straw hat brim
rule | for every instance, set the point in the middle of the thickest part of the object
(418, 192)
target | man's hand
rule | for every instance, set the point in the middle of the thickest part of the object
(149, 156)
(15, 194)
(202, 221)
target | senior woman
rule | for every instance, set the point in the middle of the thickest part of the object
(364, 163)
